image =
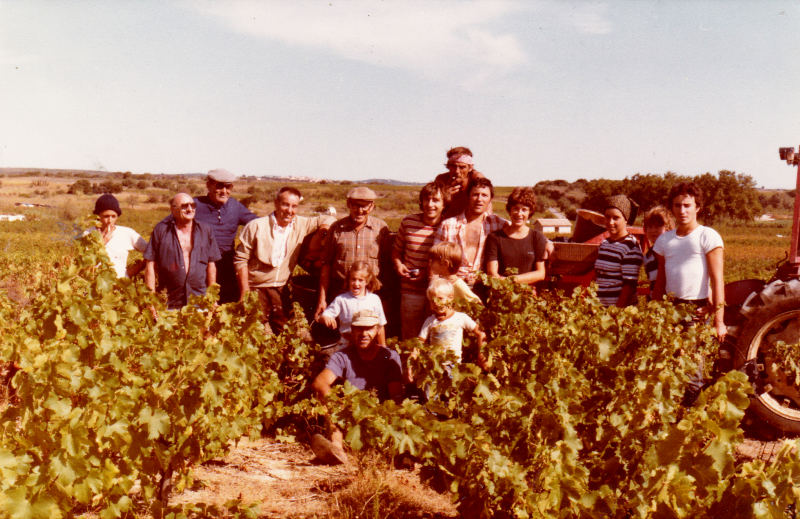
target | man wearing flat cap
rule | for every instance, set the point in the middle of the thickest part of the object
(356, 237)
(366, 365)
(224, 215)
(620, 255)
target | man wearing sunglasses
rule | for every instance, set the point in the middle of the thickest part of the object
(224, 215)
(181, 254)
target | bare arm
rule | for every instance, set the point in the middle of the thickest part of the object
(243, 276)
(533, 276)
(150, 275)
(715, 260)
(382, 336)
(322, 384)
(211, 273)
(492, 267)
(324, 279)
(625, 294)
(480, 339)
(661, 279)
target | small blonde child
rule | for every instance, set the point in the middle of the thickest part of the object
(657, 221)
(446, 326)
(361, 284)
(444, 260)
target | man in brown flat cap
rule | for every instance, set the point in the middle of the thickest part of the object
(356, 237)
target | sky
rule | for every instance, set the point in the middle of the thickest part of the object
(353, 90)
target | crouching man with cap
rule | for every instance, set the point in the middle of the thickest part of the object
(366, 365)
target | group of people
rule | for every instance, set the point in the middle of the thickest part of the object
(436, 253)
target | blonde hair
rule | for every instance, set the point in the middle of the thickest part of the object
(447, 253)
(657, 216)
(373, 285)
(440, 288)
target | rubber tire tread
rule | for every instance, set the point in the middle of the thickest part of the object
(776, 297)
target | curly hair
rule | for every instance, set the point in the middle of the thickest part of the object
(522, 195)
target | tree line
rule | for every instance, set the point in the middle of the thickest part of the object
(728, 195)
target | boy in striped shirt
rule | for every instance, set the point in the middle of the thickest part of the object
(410, 256)
(619, 258)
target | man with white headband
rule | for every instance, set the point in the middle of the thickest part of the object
(460, 172)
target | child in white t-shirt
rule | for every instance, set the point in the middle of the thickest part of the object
(446, 327)
(362, 284)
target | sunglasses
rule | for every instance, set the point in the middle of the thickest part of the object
(187, 206)
(224, 185)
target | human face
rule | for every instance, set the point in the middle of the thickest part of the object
(459, 174)
(653, 232)
(616, 225)
(519, 213)
(286, 208)
(685, 210)
(437, 268)
(358, 283)
(219, 192)
(432, 208)
(480, 199)
(441, 305)
(359, 210)
(364, 336)
(182, 208)
(108, 219)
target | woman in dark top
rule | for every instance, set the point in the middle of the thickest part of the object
(517, 246)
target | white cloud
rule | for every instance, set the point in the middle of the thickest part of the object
(435, 39)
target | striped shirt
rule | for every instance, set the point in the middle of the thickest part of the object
(617, 265)
(411, 245)
(651, 265)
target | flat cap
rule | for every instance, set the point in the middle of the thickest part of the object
(221, 175)
(365, 318)
(361, 193)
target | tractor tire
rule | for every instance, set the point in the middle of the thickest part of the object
(768, 316)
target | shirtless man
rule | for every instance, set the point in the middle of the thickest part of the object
(471, 228)
(182, 253)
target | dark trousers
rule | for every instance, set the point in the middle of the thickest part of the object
(275, 305)
(226, 278)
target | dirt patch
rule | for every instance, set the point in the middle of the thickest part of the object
(286, 482)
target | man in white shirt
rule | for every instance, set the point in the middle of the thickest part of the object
(690, 258)
(690, 262)
(268, 250)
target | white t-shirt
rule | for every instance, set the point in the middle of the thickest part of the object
(344, 306)
(123, 240)
(685, 261)
(449, 333)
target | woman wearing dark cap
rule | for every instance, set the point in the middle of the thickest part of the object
(620, 257)
(119, 240)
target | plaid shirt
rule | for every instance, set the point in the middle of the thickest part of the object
(346, 245)
(454, 229)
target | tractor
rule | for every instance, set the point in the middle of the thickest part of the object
(763, 318)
